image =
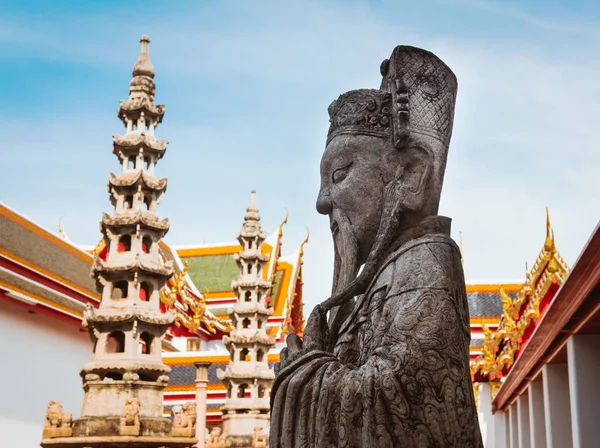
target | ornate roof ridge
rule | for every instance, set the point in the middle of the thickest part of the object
(292, 293)
(189, 305)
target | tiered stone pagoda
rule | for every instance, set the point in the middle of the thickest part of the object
(124, 382)
(248, 376)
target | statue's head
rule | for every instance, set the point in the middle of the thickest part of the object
(383, 166)
(216, 431)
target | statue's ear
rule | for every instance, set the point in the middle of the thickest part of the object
(413, 176)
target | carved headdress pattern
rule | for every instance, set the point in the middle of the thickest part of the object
(417, 95)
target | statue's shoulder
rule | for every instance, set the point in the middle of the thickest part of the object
(431, 261)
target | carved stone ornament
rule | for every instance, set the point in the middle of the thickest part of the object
(58, 423)
(184, 421)
(216, 439)
(130, 418)
(384, 361)
(260, 438)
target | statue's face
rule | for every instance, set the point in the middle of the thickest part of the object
(351, 194)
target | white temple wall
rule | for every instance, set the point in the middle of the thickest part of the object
(41, 359)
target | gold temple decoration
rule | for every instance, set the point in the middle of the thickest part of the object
(62, 231)
(99, 248)
(285, 329)
(499, 348)
(190, 311)
(495, 387)
(276, 253)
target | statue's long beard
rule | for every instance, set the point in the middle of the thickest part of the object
(347, 285)
(345, 266)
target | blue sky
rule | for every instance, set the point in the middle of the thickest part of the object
(246, 86)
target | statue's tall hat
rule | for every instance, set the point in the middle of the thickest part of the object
(417, 95)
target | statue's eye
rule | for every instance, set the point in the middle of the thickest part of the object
(340, 174)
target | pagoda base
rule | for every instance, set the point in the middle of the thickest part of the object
(239, 429)
(120, 442)
(109, 426)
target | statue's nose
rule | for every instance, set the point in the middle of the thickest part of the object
(323, 204)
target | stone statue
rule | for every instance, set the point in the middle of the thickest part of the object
(130, 418)
(216, 439)
(260, 439)
(384, 361)
(58, 423)
(184, 422)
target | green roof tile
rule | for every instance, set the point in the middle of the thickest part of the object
(213, 273)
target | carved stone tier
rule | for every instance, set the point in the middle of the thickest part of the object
(253, 339)
(258, 373)
(124, 314)
(135, 264)
(258, 284)
(136, 141)
(138, 177)
(251, 254)
(252, 308)
(124, 366)
(135, 107)
(133, 218)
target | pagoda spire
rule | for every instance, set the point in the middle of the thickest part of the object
(125, 379)
(248, 376)
(143, 66)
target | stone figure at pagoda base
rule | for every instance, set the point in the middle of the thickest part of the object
(384, 361)
(216, 439)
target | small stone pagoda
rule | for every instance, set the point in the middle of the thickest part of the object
(125, 380)
(248, 376)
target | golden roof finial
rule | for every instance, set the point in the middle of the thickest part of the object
(61, 230)
(304, 242)
(549, 243)
(284, 222)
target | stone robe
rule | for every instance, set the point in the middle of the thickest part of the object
(399, 375)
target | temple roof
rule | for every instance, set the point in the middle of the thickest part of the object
(41, 271)
(520, 313)
(212, 269)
